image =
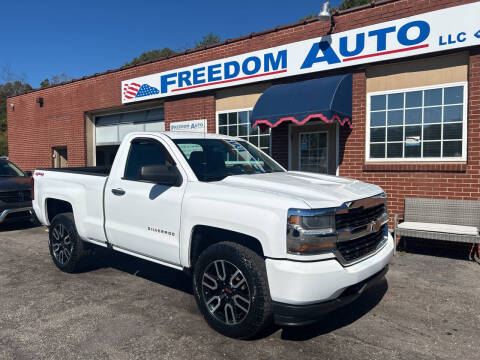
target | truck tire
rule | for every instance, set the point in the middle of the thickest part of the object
(66, 248)
(231, 289)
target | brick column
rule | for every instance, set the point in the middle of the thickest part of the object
(352, 141)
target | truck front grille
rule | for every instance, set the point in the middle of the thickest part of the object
(358, 217)
(352, 250)
(15, 196)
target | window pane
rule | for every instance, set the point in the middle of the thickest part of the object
(155, 126)
(243, 117)
(106, 134)
(222, 130)
(413, 116)
(453, 113)
(413, 99)
(452, 149)
(395, 117)
(133, 117)
(232, 118)
(125, 129)
(222, 119)
(254, 140)
(413, 131)
(453, 95)
(377, 134)
(255, 131)
(377, 118)
(232, 130)
(243, 130)
(395, 101)
(413, 150)
(378, 102)
(433, 97)
(395, 133)
(156, 115)
(432, 132)
(264, 141)
(432, 115)
(394, 150)
(377, 150)
(452, 131)
(431, 149)
(143, 153)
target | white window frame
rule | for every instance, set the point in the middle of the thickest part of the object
(217, 116)
(463, 158)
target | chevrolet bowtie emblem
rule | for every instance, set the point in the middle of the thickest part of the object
(375, 225)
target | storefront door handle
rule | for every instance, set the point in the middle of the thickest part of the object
(118, 192)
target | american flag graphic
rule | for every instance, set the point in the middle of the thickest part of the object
(135, 90)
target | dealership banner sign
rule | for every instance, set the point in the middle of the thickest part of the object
(446, 29)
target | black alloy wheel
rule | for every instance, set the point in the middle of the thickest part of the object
(68, 251)
(225, 292)
(231, 290)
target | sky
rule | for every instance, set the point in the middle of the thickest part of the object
(45, 38)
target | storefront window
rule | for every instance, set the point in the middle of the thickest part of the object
(424, 124)
(237, 123)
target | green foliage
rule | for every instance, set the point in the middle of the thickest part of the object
(347, 4)
(55, 80)
(151, 55)
(208, 39)
(308, 17)
(162, 53)
(8, 89)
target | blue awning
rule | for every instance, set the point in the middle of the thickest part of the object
(328, 99)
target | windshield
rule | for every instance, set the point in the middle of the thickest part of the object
(215, 159)
(7, 169)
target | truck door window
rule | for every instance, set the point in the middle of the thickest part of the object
(145, 152)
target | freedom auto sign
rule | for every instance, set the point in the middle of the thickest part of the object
(453, 28)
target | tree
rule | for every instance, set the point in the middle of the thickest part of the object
(347, 4)
(11, 88)
(208, 39)
(55, 80)
(308, 17)
(151, 55)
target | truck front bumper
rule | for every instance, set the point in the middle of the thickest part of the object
(302, 291)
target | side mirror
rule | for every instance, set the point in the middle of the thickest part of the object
(161, 174)
(28, 173)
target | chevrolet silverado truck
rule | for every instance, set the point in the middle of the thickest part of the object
(262, 243)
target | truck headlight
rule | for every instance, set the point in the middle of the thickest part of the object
(311, 232)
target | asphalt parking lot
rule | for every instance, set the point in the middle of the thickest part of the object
(427, 308)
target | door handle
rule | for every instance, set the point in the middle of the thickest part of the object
(118, 192)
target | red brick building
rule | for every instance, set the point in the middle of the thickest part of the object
(415, 100)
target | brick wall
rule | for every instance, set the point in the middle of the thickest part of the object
(191, 108)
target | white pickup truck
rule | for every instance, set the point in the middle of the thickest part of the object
(262, 244)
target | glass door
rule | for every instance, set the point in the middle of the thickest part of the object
(313, 152)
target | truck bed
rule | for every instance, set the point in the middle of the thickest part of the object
(86, 170)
